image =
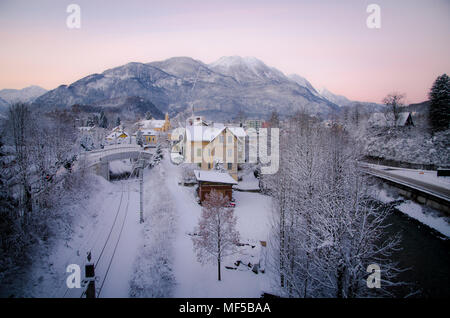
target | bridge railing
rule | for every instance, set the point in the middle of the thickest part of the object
(95, 157)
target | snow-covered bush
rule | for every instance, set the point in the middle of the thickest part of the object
(153, 276)
(409, 145)
(188, 175)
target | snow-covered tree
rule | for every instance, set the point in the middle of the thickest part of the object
(103, 121)
(20, 130)
(216, 233)
(148, 115)
(326, 229)
(157, 157)
(274, 120)
(139, 138)
(86, 142)
(439, 113)
(394, 103)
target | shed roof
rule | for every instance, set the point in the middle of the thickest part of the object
(214, 176)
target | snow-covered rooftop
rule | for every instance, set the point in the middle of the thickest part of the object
(152, 123)
(402, 118)
(214, 176)
(202, 133)
(209, 133)
(116, 134)
(238, 131)
(149, 132)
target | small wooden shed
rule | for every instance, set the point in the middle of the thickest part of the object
(213, 180)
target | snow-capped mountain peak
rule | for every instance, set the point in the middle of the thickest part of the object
(337, 99)
(305, 83)
(246, 69)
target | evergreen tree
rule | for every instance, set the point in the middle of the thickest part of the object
(148, 116)
(274, 120)
(118, 121)
(439, 112)
(139, 138)
(103, 120)
(95, 120)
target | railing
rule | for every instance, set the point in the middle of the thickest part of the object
(95, 156)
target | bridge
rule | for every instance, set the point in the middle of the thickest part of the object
(420, 185)
(98, 160)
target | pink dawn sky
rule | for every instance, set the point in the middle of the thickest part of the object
(325, 41)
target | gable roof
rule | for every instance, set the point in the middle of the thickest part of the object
(403, 118)
(201, 133)
(116, 134)
(214, 176)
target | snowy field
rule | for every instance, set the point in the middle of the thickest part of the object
(196, 280)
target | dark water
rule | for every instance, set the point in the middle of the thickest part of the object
(426, 253)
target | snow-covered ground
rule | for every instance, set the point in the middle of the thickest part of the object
(119, 167)
(248, 182)
(426, 215)
(196, 280)
(96, 210)
(154, 259)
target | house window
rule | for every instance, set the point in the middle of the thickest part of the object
(230, 139)
(230, 152)
(229, 166)
(221, 138)
(199, 152)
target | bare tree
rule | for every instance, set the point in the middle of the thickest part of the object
(217, 236)
(394, 102)
(20, 130)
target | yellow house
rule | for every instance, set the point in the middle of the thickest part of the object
(150, 136)
(117, 135)
(209, 146)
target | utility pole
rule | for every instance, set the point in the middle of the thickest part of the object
(141, 189)
(90, 277)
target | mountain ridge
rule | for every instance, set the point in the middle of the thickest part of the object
(226, 86)
(25, 95)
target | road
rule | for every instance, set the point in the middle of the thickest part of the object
(427, 185)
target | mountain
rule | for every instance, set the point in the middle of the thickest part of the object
(421, 108)
(25, 95)
(344, 102)
(3, 105)
(305, 83)
(122, 106)
(337, 99)
(222, 88)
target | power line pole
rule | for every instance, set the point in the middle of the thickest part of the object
(141, 189)
(90, 277)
